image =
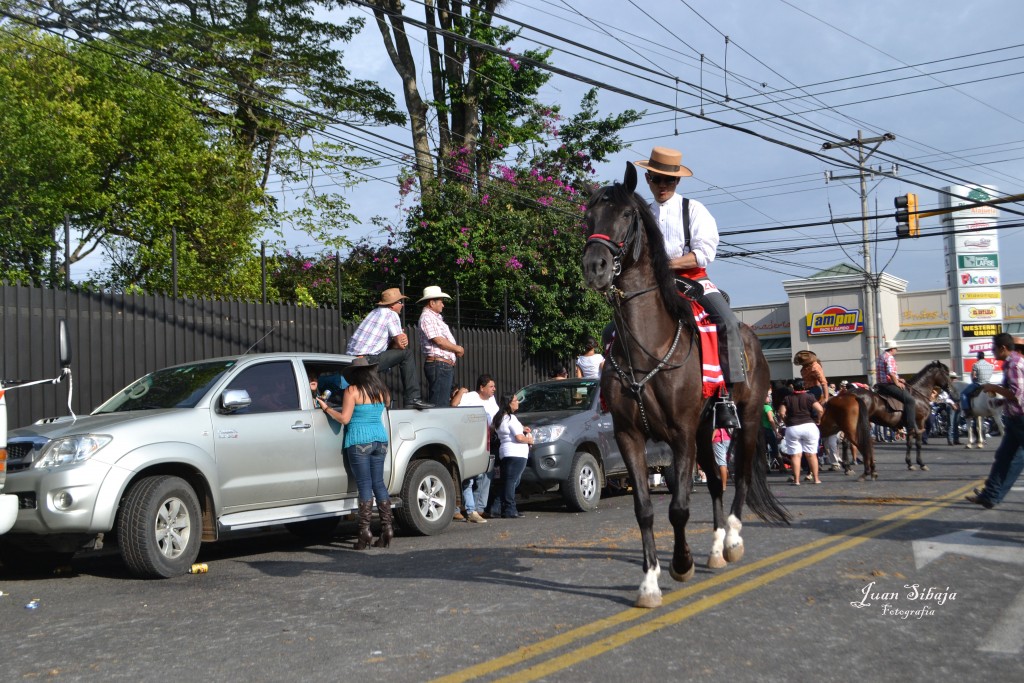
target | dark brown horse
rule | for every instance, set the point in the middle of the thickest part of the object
(852, 411)
(652, 384)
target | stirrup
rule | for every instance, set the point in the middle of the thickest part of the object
(725, 416)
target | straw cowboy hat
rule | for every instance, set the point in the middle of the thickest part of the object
(433, 292)
(665, 161)
(891, 345)
(391, 296)
(357, 364)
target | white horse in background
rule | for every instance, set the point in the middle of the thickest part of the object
(983, 405)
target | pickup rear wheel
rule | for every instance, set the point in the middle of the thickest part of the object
(428, 498)
(582, 490)
(159, 527)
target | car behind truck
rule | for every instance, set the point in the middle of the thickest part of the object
(190, 452)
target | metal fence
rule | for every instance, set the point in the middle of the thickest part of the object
(116, 338)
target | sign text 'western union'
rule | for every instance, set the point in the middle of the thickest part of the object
(983, 330)
(835, 320)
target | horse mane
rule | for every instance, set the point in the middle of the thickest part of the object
(934, 365)
(677, 306)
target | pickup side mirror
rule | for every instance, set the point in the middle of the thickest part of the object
(65, 345)
(234, 399)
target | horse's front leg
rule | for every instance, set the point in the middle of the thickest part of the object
(631, 445)
(683, 457)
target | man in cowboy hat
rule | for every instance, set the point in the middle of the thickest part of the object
(891, 384)
(438, 347)
(381, 340)
(691, 240)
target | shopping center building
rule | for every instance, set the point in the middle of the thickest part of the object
(825, 313)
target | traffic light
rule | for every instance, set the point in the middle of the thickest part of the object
(906, 215)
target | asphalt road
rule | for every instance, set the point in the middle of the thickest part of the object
(841, 594)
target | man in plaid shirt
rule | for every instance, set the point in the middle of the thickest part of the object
(891, 384)
(1009, 458)
(438, 347)
(382, 329)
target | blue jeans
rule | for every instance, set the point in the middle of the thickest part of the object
(511, 472)
(953, 435)
(477, 501)
(367, 463)
(1008, 464)
(439, 382)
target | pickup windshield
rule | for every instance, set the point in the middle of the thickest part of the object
(563, 394)
(182, 386)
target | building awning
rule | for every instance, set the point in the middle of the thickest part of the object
(1013, 328)
(775, 343)
(922, 333)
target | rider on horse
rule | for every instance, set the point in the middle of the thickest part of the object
(981, 373)
(890, 384)
(691, 240)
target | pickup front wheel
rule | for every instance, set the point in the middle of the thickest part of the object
(428, 498)
(582, 490)
(159, 527)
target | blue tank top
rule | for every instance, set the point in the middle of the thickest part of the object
(366, 425)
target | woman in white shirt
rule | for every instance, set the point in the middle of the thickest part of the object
(515, 440)
(591, 362)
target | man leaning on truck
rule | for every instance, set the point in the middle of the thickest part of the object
(381, 340)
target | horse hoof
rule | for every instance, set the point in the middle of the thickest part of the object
(715, 561)
(924, 468)
(681, 577)
(848, 472)
(648, 601)
(910, 467)
(862, 477)
(874, 475)
(734, 554)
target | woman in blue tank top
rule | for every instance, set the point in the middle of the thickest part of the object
(366, 445)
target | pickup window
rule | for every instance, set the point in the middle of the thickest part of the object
(271, 387)
(182, 386)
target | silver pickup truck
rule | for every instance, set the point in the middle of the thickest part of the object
(188, 452)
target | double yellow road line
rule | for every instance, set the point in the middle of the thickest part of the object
(582, 648)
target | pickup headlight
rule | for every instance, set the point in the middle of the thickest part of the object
(548, 433)
(71, 450)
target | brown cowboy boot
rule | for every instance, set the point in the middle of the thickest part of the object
(387, 530)
(365, 537)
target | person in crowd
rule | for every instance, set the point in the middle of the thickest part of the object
(366, 445)
(950, 402)
(812, 374)
(770, 428)
(381, 339)
(891, 384)
(475, 491)
(559, 372)
(981, 373)
(1009, 457)
(438, 346)
(515, 442)
(591, 363)
(720, 444)
(691, 241)
(800, 412)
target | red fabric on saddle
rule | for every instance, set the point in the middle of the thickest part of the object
(712, 380)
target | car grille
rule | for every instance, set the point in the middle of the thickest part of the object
(20, 455)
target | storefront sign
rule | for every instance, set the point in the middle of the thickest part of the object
(977, 296)
(981, 330)
(980, 312)
(835, 320)
(976, 261)
(979, 278)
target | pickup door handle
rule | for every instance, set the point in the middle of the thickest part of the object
(301, 425)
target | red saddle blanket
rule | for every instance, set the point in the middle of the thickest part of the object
(712, 379)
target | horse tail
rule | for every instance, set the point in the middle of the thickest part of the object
(760, 499)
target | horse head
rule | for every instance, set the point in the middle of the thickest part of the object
(935, 373)
(614, 221)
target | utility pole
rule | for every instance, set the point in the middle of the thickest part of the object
(872, 318)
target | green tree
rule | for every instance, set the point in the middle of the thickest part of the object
(521, 234)
(268, 74)
(85, 133)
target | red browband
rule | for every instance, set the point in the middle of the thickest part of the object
(606, 238)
